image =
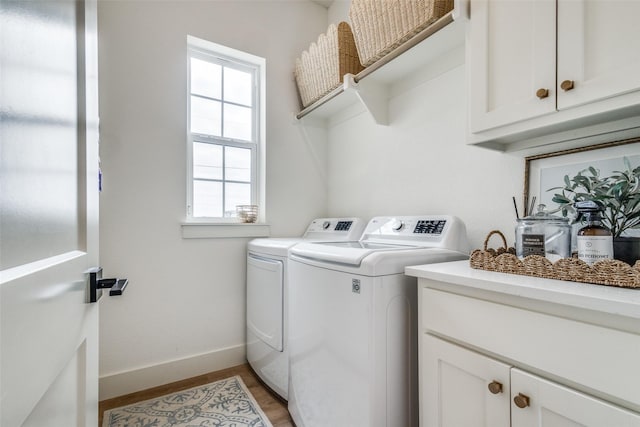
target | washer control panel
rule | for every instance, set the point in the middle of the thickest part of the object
(430, 226)
(442, 231)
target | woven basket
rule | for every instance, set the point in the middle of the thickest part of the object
(504, 260)
(321, 69)
(379, 26)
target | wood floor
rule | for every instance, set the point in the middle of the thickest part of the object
(273, 407)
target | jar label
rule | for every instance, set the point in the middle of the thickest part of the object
(533, 244)
(595, 248)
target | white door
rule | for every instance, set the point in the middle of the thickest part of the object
(548, 404)
(597, 50)
(265, 299)
(48, 213)
(460, 388)
(511, 55)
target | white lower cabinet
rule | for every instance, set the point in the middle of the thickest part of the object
(463, 388)
(525, 352)
(455, 387)
(553, 405)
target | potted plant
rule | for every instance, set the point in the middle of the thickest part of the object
(619, 193)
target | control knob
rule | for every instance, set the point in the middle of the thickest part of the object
(326, 224)
(397, 225)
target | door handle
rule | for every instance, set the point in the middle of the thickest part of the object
(97, 284)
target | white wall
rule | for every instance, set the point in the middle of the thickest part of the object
(339, 11)
(184, 311)
(420, 163)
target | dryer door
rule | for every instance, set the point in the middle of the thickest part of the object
(265, 293)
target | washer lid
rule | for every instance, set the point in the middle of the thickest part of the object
(350, 253)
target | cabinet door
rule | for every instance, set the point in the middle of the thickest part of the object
(552, 405)
(510, 56)
(454, 387)
(598, 49)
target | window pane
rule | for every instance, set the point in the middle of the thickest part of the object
(205, 116)
(207, 161)
(236, 194)
(207, 199)
(206, 78)
(238, 86)
(237, 164)
(237, 122)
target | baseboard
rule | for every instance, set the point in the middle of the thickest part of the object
(152, 376)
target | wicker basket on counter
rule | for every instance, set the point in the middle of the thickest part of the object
(379, 26)
(321, 68)
(504, 260)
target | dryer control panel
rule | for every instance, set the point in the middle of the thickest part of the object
(335, 228)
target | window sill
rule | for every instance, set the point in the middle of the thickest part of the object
(208, 230)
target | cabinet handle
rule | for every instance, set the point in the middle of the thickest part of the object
(542, 93)
(521, 400)
(566, 85)
(495, 387)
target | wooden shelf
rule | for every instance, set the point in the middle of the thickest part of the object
(370, 86)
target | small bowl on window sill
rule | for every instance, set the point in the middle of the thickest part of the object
(247, 213)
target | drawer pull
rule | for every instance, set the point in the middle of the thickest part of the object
(521, 400)
(542, 93)
(495, 387)
(566, 85)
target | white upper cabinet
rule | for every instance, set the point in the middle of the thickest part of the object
(598, 50)
(511, 56)
(553, 71)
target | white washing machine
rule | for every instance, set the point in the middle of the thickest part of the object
(353, 344)
(267, 297)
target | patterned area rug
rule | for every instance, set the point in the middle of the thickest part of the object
(224, 403)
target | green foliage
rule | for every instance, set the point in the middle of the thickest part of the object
(618, 193)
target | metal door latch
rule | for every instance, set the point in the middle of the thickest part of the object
(97, 284)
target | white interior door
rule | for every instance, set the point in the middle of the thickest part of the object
(48, 213)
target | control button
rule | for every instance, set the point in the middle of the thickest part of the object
(326, 225)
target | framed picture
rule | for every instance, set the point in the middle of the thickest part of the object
(547, 171)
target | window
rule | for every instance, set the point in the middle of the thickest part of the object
(225, 130)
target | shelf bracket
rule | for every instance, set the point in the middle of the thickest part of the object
(461, 10)
(373, 95)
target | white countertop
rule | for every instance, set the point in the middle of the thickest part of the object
(606, 299)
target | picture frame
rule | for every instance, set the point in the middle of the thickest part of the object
(545, 171)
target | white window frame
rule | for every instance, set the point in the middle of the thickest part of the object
(215, 53)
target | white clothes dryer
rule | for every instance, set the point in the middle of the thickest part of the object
(267, 297)
(353, 343)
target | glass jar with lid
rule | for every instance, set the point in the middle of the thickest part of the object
(543, 234)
